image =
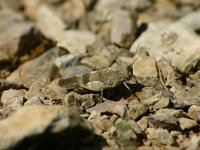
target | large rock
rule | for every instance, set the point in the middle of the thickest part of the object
(123, 33)
(42, 67)
(70, 38)
(43, 127)
(50, 24)
(17, 35)
(177, 42)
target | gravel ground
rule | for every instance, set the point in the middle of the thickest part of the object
(100, 74)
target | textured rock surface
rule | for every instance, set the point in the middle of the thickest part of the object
(176, 43)
(40, 121)
(17, 35)
(130, 68)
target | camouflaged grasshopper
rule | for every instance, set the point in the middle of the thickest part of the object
(98, 80)
(101, 79)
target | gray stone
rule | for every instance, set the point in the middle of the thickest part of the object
(145, 66)
(10, 96)
(186, 102)
(122, 33)
(12, 101)
(35, 100)
(70, 38)
(163, 120)
(152, 100)
(186, 123)
(51, 28)
(118, 107)
(41, 67)
(68, 60)
(52, 124)
(176, 42)
(194, 112)
(173, 112)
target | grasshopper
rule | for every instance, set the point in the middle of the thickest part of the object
(101, 79)
(98, 80)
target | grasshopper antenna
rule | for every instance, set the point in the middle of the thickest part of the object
(135, 58)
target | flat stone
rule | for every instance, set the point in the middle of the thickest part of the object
(145, 148)
(68, 60)
(38, 68)
(145, 66)
(70, 11)
(186, 102)
(173, 112)
(107, 6)
(194, 112)
(152, 100)
(163, 120)
(120, 110)
(57, 122)
(110, 106)
(70, 38)
(164, 102)
(186, 123)
(52, 28)
(12, 101)
(122, 33)
(10, 96)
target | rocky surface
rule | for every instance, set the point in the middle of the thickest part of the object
(99, 74)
